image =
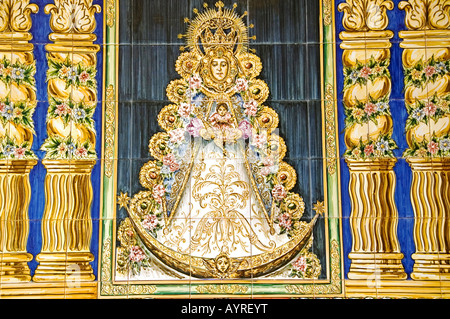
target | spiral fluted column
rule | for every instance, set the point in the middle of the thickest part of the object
(426, 64)
(17, 105)
(368, 138)
(70, 146)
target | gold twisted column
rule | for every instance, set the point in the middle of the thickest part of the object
(426, 64)
(70, 146)
(17, 105)
(368, 131)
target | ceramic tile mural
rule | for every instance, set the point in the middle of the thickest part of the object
(223, 149)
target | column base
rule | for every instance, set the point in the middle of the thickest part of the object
(397, 289)
(377, 266)
(70, 267)
(49, 290)
(14, 267)
(431, 266)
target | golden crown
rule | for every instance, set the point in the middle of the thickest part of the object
(217, 28)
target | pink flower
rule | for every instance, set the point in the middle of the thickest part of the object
(174, 167)
(279, 192)
(195, 82)
(84, 76)
(370, 108)
(265, 170)
(2, 106)
(259, 140)
(62, 109)
(433, 147)
(300, 264)
(268, 161)
(251, 103)
(251, 110)
(19, 152)
(169, 159)
(185, 109)
(158, 192)
(150, 222)
(241, 85)
(369, 149)
(430, 109)
(365, 72)
(285, 221)
(194, 127)
(81, 151)
(246, 129)
(176, 135)
(430, 71)
(136, 254)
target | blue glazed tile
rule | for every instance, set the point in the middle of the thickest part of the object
(315, 135)
(153, 69)
(293, 127)
(144, 126)
(280, 24)
(125, 89)
(124, 138)
(284, 70)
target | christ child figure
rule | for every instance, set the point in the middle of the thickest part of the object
(221, 119)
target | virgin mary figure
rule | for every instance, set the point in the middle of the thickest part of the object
(218, 189)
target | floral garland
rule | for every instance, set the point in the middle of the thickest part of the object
(79, 113)
(9, 149)
(372, 149)
(362, 73)
(437, 147)
(422, 73)
(76, 75)
(365, 112)
(58, 147)
(370, 111)
(79, 75)
(306, 266)
(19, 113)
(424, 111)
(17, 72)
(132, 255)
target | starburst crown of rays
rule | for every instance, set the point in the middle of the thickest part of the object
(208, 28)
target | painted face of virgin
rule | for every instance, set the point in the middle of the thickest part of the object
(219, 68)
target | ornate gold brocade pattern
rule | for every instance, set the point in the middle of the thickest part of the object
(110, 129)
